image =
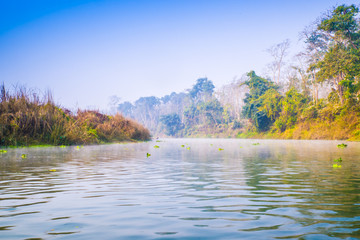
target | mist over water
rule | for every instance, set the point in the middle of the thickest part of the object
(276, 189)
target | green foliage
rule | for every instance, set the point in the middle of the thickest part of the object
(291, 108)
(342, 23)
(342, 145)
(310, 112)
(258, 103)
(202, 88)
(331, 60)
(336, 165)
(204, 113)
(172, 123)
(341, 62)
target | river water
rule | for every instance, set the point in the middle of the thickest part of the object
(186, 189)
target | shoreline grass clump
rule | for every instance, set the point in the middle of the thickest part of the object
(27, 119)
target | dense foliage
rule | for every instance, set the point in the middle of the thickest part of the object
(196, 112)
(318, 98)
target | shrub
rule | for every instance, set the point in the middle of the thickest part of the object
(27, 119)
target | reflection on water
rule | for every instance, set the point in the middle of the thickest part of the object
(274, 190)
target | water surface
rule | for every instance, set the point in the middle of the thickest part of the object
(272, 190)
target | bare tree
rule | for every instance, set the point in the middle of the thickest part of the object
(278, 52)
(113, 103)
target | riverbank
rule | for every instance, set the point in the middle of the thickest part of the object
(27, 119)
(340, 127)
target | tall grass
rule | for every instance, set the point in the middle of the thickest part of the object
(26, 119)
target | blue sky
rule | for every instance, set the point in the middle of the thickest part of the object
(85, 51)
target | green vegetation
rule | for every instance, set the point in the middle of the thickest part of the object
(333, 58)
(343, 145)
(318, 97)
(336, 165)
(195, 113)
(26, 120)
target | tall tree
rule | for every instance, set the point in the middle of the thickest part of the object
(252, 109)
(278, 52)
(172, 123)
(316, 47)
(202, 90)
(340, 64)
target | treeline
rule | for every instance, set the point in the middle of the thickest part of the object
(331, 59)
(199, 111)
(317, 98)
(28, 119)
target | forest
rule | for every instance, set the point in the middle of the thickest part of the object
(315, 96)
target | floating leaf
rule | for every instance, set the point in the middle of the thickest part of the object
(256, 143)
(52, 170)
(188, 148)
(211, 145)
(158, 141)
(156, 146)
(338, 160)
(182, 145)
(148, 154)
(23, 155)
(336, 165)
(343, 145)
(220, 149)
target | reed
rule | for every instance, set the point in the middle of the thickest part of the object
(26, 118)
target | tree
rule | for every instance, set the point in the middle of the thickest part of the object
(338, 66)
(278, 52)
(290, 107)
(316, 47)
(231, 97)
(126, 108)
(202, 90)
(172, 123)
(341, 62)
(342, 26)
(254, 101)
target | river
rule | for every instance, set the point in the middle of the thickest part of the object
(185, 189)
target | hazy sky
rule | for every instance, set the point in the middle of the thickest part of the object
(84, 51)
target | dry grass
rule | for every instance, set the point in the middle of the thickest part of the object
(333, 122)
(330, 128)
(26, 118)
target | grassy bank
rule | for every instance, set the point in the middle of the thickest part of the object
(330, 123)
(28, 119)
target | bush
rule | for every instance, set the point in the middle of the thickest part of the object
(26, 119)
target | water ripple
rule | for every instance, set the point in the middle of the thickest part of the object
(276, 190)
